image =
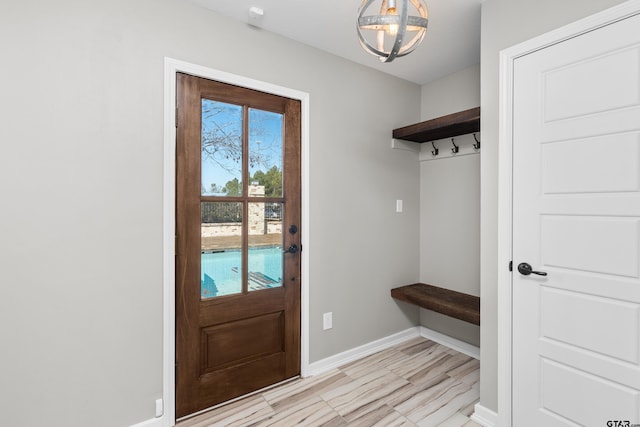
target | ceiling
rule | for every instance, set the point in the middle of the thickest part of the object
(452, 42)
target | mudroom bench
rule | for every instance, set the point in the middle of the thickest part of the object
(445, 301)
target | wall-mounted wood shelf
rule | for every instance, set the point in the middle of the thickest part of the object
(455, 124)
(445, 301)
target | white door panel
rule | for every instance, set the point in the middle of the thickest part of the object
(586, 321)
(572, 90)
(603, 366)
(596, 244)
(571, 408)
(576, 216)
(602, 164)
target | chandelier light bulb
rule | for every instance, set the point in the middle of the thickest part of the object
(391, 7)
(393, 28)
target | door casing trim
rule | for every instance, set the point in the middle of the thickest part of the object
(505, 181)
(171, 67)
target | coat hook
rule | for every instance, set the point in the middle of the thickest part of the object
(455, 148)
(435, 149)
(476, 146)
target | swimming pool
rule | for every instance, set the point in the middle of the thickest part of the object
(221, 272)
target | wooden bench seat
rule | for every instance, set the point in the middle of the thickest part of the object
(445, 301)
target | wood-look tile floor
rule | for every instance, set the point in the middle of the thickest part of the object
(417, 383)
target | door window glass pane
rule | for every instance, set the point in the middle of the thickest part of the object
(265, 151)
(221, 243)
(265, 246)
(221, 149)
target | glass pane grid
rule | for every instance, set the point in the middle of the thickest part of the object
(241, 254)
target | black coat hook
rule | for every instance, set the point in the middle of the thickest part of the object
(476, 146)
(435, 149)
(455, 148)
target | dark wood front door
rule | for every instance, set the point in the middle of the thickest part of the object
(238, 242)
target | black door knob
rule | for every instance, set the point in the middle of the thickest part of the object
(291, 250)
(526, 269)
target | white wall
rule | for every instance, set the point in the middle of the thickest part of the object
(450, 205)
(81, 183)
(504, 24)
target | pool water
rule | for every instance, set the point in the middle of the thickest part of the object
(221, 272)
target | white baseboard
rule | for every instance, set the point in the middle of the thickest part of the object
(485, 417)
(452, 343)
(154, 422)
(332, 362)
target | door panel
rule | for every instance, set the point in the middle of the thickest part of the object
(586, 321)
(573, 89)
(589, 170)
(571, 408)
(237, 292)
(608, 245)
(241, 341)
(576, 217)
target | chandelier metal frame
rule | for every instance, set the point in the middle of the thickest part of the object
(385, 21)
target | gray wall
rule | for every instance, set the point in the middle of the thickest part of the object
(450, 206)
(504, 24)
(81, 185)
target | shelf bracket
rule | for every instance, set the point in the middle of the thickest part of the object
(399, 144)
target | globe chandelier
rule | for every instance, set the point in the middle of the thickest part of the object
(390, 25)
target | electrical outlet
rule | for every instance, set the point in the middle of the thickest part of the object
(159, 408)
(327, 321)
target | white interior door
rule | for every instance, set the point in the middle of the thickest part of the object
(576, 216)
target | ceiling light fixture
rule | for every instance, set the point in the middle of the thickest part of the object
(391, 25)
(255, 16)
